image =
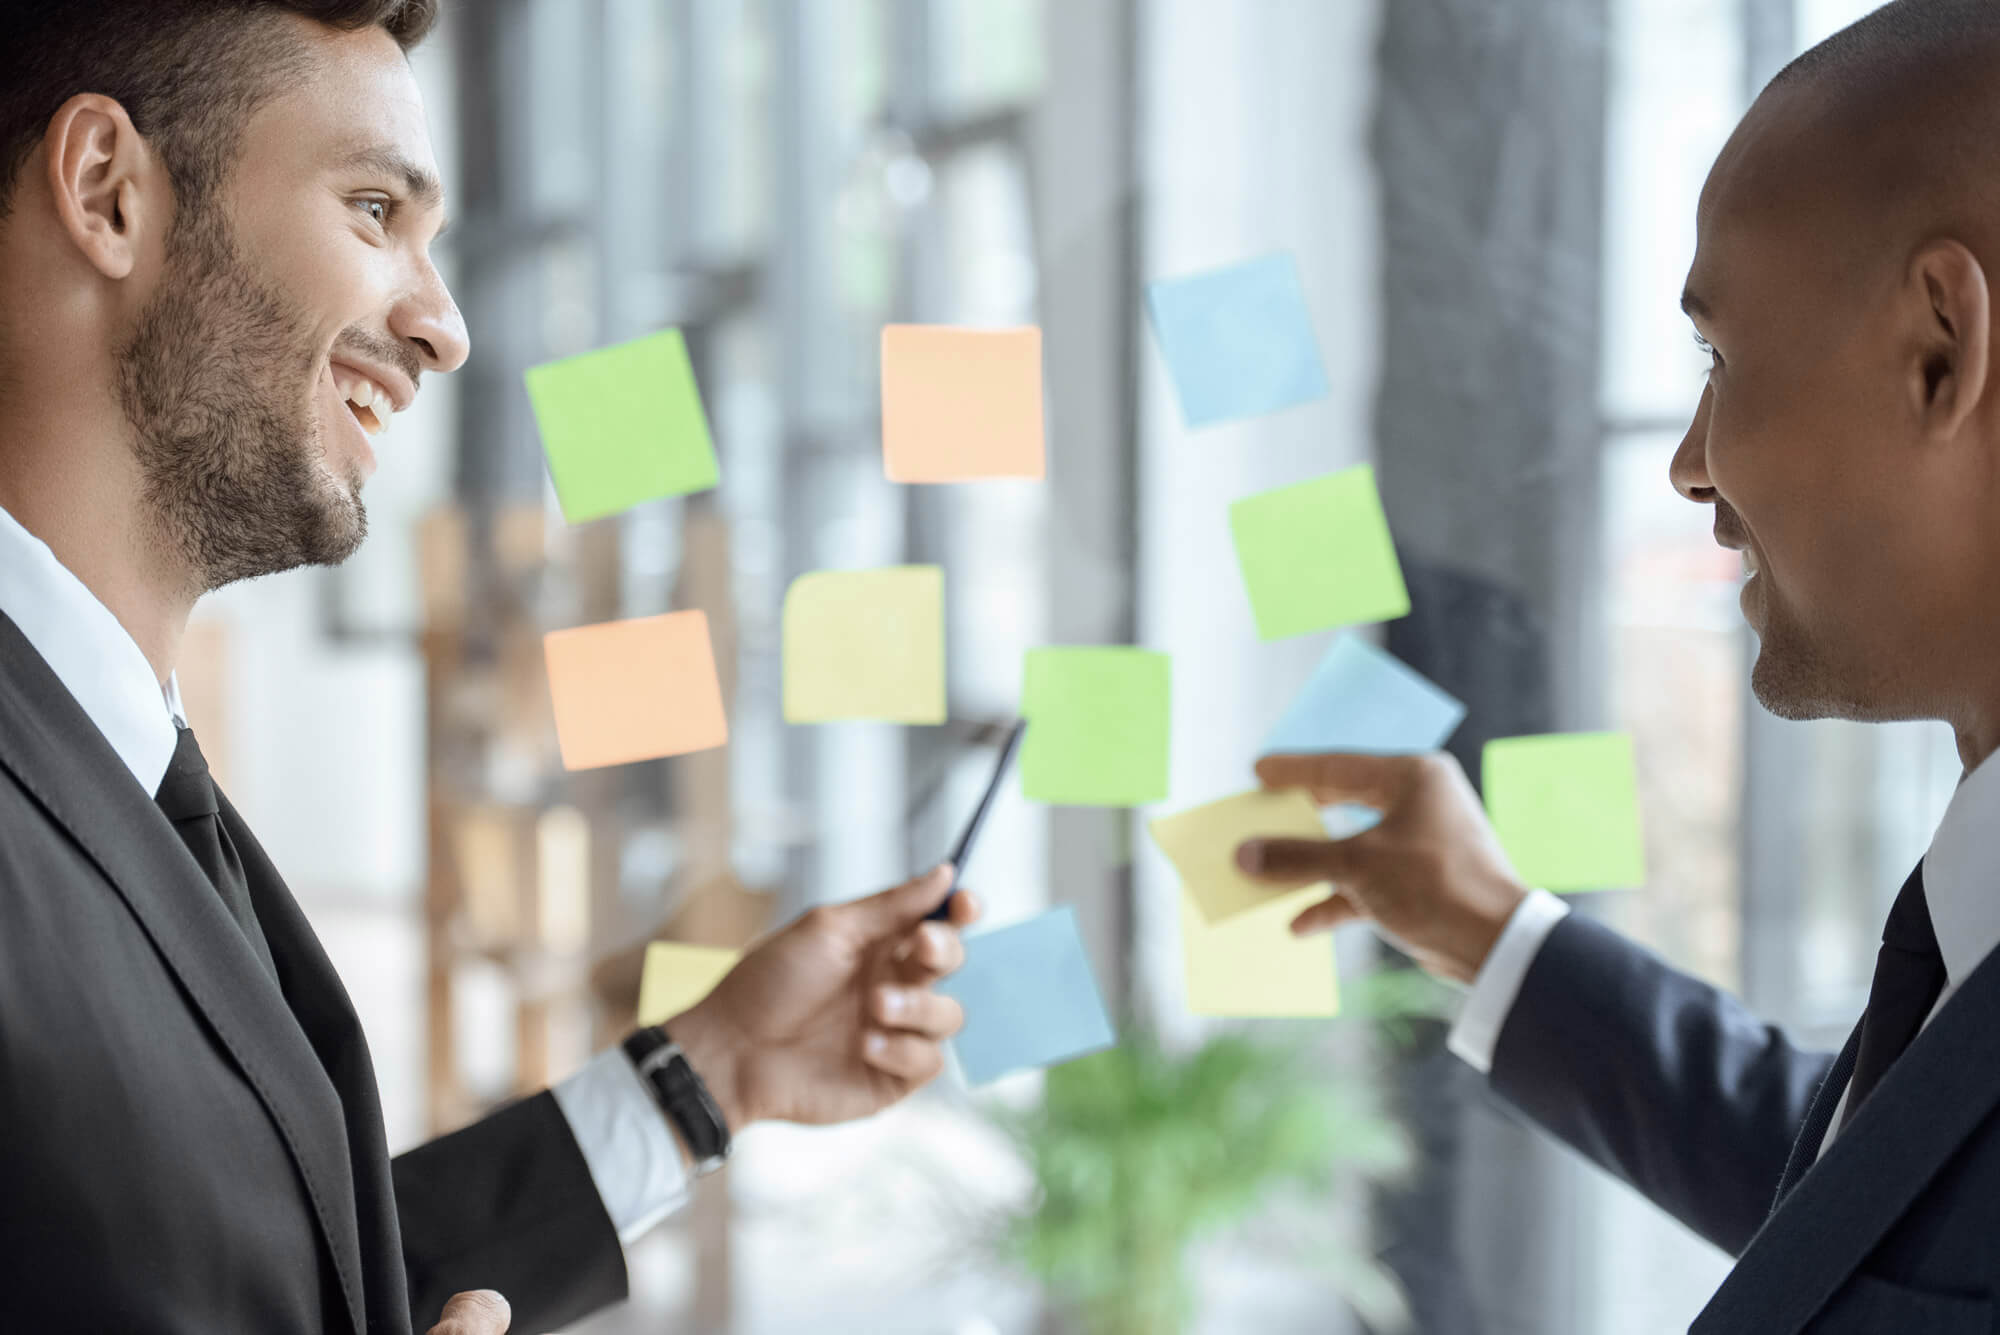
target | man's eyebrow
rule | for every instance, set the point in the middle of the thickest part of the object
(1695, 306)
(421, 183)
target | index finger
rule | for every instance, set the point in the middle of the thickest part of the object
(928, 953)
(1340, 776)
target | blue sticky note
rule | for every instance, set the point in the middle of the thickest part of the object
(1364, 699)
(1030, 998)
(1239, 340)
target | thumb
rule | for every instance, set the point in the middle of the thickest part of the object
(1294, 861)
(899, 907)
(475, 1312)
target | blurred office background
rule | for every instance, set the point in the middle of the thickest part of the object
(1491, 203)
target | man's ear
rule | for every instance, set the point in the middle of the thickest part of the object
(99, 169)
(1955, 342)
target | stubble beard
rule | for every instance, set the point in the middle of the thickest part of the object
(217, 381)
(1794, 678)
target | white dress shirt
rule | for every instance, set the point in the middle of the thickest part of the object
(634, 1159)
(1960, 871)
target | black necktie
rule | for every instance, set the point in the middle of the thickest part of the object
(187, 796)
(1909, 975)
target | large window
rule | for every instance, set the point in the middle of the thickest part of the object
(1491, 203)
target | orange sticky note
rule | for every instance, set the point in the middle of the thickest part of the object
(961, 404)
(635, 690)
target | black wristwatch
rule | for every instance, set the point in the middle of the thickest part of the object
(681, 1096)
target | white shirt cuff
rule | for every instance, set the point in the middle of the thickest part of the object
(633, 1156)
(1477, 1030)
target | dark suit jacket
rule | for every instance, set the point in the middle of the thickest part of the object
(1717, 1117)
(188, 1146)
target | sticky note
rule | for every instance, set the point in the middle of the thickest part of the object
(1238, 341)
(1097, 726)
(635, 690)
(621, 425)
(1252, 965)
(865, 644)
(1030, 998)
(961, 404)
(1566, 807)
(1364, 699)
(677, 975)
(1317, 554)
(1201, 843)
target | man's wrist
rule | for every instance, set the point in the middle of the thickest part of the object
(1485, 927)
(714, 1054)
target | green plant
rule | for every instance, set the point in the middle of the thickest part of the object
(1140, 1152)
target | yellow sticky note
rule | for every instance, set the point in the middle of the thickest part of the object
(865, 644)
(1201, 842)
(676, 976)
(1253, 966)
(961, 404)
(635, 690)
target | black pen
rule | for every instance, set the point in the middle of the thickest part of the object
(963, 849)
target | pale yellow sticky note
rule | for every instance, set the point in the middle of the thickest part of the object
(676, 976)
(1201, 842)
(865, 644)
(1253, 966)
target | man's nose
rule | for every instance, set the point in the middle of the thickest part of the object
(429, 319)
(1689, 470)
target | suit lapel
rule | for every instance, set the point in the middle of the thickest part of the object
(1819, 1116)
(1936, 1095)
(321, 1005)
(59, 757)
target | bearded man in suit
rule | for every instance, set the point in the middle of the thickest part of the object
(215, 293)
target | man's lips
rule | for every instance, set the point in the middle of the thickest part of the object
(371, 393)
(1736, 542)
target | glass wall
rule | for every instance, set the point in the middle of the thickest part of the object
(1491, 205)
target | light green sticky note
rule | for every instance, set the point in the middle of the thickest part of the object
(621, 425)
(1097, 726)
(1317, 554)
(1566, 807)
(865, 644)
(1201, 843)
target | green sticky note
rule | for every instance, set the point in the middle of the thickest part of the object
(621, 425)
(865, 644)
(1097, 727)
(1317, 554)
(1566, 807)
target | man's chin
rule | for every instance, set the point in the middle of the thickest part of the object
(1792, 688)
(345, 528)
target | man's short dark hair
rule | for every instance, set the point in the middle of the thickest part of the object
(1901, 33)
(188, 72)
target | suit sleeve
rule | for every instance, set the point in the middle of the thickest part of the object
(1669, 1083)
(508, 1203)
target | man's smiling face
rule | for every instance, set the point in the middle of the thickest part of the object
(295, 313)
(1821, 437)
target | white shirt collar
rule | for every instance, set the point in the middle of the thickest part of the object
(91, 654)
(1962, 873)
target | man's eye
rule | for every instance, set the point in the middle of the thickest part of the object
(1707, 347)
(378, 209)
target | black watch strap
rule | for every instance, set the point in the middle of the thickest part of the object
(681, 1095)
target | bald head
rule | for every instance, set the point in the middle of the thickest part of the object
(1848, 437)
(1882, 135)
